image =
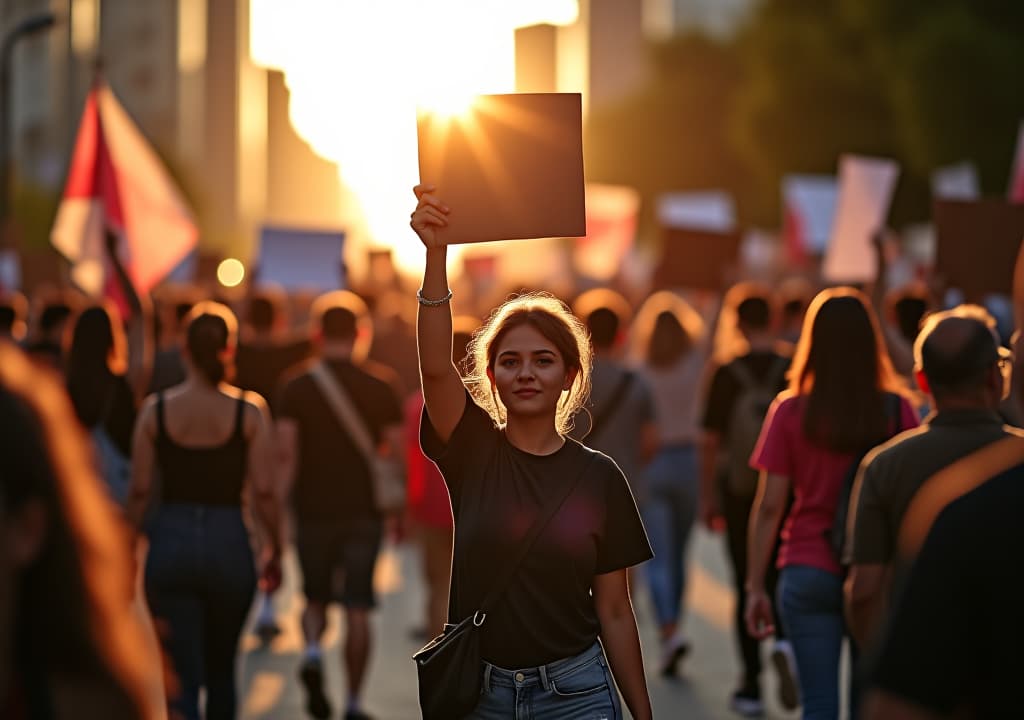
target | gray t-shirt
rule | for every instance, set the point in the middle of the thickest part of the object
(618, 432)
(892, 474)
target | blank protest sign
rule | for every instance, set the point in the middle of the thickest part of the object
(977, 244)
(510, 168)
(301, 259)
(866, 186)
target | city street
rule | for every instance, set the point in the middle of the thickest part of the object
(272, 692)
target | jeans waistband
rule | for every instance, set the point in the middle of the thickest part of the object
(543, 675)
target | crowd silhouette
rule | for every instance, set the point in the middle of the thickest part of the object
(855, 449)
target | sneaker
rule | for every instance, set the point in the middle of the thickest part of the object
(312, 676)
(673, 651)
(747, 703)
(784, 660)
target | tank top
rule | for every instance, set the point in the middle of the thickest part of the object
(201, 475)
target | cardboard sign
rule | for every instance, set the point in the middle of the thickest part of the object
(978, 244)
(696, 259)
(510, 168)
(866, 186)
(301, 259)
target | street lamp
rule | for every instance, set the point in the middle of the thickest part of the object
(29, 26)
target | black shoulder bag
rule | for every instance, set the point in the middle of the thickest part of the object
(449, 667)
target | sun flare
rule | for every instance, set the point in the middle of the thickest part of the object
(359, 72)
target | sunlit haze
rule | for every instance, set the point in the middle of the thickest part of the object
(358, 71)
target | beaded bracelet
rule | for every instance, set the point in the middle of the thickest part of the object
(432, 303)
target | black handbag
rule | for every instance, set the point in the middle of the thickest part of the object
(449, 667)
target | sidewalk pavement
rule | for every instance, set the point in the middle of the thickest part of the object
(271, 691)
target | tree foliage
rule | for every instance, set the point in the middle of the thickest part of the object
(926, 82)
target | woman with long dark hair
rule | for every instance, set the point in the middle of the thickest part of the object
(71, 644)
(836, 408)
(212, 445)
(564, 625)
(667, 342)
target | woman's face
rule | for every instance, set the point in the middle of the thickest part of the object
(529, 373)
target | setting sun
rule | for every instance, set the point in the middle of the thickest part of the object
(358, 73)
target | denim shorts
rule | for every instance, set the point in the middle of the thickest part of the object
(577, 688)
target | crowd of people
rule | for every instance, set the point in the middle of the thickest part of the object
(857, 454)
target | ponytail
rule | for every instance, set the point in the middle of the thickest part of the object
(211, 331)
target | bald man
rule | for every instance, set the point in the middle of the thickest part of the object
(959, 363)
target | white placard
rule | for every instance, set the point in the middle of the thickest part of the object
(866, 186)
(711, 210)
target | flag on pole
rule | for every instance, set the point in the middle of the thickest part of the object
(1016, 193)
(808, 209)
(116, 182)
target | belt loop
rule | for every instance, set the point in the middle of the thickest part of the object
(545, 683)
(487, 676)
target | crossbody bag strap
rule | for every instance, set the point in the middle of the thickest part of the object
(509, 569)
(343, 408)
(598, 423)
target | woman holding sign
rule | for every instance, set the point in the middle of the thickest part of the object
(563, 624)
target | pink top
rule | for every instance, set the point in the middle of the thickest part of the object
(429, 504)
(816, 475)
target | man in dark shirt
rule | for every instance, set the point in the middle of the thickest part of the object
(338, 527)
(265, 351)
(958, 362)
(953, 647)
(719, 503)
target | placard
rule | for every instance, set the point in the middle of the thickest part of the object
(301, 259)
(510, 167)
(697, 259)
(977, 244)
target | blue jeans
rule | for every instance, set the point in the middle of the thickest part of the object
(576, 688)
(200, 582)
(810, 602)
(669, 513)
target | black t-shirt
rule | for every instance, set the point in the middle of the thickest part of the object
(725, 388)
(497, 492)
(333, 481)
(259, 367)
(956, 634)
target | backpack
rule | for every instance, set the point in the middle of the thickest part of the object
(837, 536)
(745, 421)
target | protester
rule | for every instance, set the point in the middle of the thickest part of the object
(954, 644)
(168, 364)
(70, 644)
(337, 522)
(106, 378)
(504, 453)
(430, 507)
(211, 444)
(741, 390)
(668, 341)
(842, 400)
(46, 344)
(621, 413)
(266, 349)
(959, 364)
(13, 314)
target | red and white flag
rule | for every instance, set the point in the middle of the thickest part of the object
(1016, 193)
(116, 182)
(611, 230)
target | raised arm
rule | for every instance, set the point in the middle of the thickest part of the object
(443, 392)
